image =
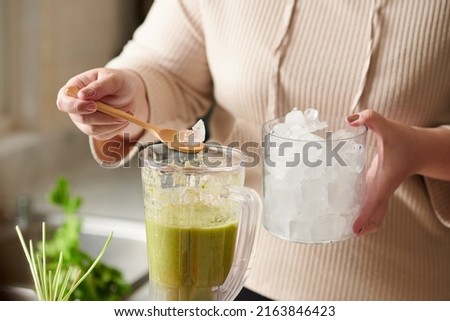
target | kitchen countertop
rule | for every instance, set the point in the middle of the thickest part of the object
(107, 193)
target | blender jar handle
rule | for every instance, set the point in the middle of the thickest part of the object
(246, 242)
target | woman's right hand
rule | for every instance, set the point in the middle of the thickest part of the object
(123, 89)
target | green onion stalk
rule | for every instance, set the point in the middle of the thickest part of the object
(53, 285)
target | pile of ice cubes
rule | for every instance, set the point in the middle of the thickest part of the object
(313, 185)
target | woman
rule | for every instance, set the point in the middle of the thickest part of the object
(383, 64)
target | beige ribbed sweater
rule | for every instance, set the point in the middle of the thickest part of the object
(256, 59)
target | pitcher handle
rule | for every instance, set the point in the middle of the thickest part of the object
(246, 242)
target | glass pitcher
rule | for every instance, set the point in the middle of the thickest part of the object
(202, 223)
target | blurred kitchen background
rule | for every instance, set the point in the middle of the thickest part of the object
(43, 44)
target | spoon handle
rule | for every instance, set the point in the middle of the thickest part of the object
(106, 109)
(121, 114)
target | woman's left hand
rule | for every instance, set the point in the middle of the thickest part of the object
(397, 158)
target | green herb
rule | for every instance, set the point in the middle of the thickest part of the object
(52, 285)
(60, 196)
(104, 283)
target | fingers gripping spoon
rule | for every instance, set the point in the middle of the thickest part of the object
(170, 137)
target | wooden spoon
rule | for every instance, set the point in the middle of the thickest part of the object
(170, 137)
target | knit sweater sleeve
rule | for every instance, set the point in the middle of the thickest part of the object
(168, 52)
(439, 192)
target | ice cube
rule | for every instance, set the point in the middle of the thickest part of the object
(276, 225)
(312, 208)
(329, 228)
(199, 131)
(354, 156)
(312, 122)
(295, 118)
(279, 192)
(185, 136)
(280, 202)
(322, 229)
(316, 125)
(340, 197)
(311, 114)
(274, 141)
(294, 177)
(279, 208)
(300, 230)
(341, 227)
(313, 173)
(297, 132)
(347, 230)
(314, 189)
(336, 172)
(358, 161)
(353, 215)
(300, 122)
(282, 158)
(281, 130)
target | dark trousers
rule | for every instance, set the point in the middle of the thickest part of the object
(248, 295)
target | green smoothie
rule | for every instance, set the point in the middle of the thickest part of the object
(190, 249)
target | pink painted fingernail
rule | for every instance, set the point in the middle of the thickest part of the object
(352, 118)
